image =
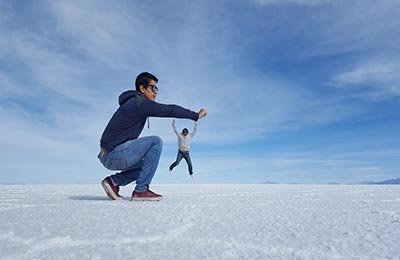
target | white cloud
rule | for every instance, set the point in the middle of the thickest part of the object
(7, 86)
(107, 33)
(299, 2)
(377, 80)
(320, 166)
(365, 169)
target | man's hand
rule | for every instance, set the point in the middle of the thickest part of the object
(202, 113)
(173, 122)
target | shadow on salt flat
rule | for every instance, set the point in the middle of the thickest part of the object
(88, 197)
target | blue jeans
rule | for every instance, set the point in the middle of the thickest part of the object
(179, 158)
(136, 159)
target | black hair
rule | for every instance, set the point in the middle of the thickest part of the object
(185, 130)
(144, 79)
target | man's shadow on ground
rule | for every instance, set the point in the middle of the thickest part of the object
(89, 197)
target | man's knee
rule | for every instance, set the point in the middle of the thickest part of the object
(157, 141)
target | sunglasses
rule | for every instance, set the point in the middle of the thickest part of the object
(154, 88)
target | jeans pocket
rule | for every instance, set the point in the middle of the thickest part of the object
(115, 164)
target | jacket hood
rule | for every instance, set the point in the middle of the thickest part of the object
(125, 96)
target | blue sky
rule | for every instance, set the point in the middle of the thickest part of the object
(297, 91)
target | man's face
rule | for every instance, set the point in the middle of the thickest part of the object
(150, 91)
(185, 133)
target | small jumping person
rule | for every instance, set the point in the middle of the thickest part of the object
(184, 140)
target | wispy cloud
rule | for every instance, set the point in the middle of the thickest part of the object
(305, 167)
(299, 2)
(377, 80)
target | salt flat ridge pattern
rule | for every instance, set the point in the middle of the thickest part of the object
(201, 222)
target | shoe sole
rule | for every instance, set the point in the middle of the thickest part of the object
(109, 191)
(146, 199)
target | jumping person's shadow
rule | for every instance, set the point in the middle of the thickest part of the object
(88, 197)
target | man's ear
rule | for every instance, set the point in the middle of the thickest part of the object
(142, 88)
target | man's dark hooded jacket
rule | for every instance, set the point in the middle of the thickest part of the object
(128, 121)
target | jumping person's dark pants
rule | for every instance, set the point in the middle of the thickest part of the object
(179, 157)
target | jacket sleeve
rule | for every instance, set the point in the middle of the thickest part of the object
(194, 131)
(174, 128)
(150, 108)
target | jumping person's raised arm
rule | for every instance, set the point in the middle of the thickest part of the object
(174, 127)
(194, 129)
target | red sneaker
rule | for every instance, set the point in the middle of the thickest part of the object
(147, 195)
(111, 190)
